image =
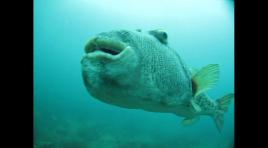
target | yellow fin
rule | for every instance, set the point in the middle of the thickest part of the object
(205, 78)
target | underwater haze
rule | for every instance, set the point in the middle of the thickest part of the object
(67, 116)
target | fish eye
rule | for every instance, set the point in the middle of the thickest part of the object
(138, 30)
(164, 35)
(160, 35)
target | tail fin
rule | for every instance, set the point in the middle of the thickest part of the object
(222, 106)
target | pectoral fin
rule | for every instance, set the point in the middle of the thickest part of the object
(205, 78)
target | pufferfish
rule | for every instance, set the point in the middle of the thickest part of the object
(138, 70)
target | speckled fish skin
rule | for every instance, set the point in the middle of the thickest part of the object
(207, 105)
(151, 77)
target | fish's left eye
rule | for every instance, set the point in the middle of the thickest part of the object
(164, 35)
(138, 30)
(160, 35)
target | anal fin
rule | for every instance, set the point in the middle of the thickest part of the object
(189, 121)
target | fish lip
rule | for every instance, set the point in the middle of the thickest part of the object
(102, 56)
(99, 47)
(95, 61)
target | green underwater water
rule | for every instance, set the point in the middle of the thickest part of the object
(66, 116)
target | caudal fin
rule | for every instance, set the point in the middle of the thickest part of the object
(222, 107)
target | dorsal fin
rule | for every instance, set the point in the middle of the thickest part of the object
(205, 78)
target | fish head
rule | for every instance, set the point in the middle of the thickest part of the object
(110, 61)
(115, 60)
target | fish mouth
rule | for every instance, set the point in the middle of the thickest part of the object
(105, 48)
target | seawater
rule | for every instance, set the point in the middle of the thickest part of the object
(66, 116)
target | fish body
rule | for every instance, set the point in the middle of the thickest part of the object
(138, 70)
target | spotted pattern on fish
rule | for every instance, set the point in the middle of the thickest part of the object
(206, 104)
(138, 70)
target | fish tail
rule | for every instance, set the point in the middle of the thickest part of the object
(222, 107)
